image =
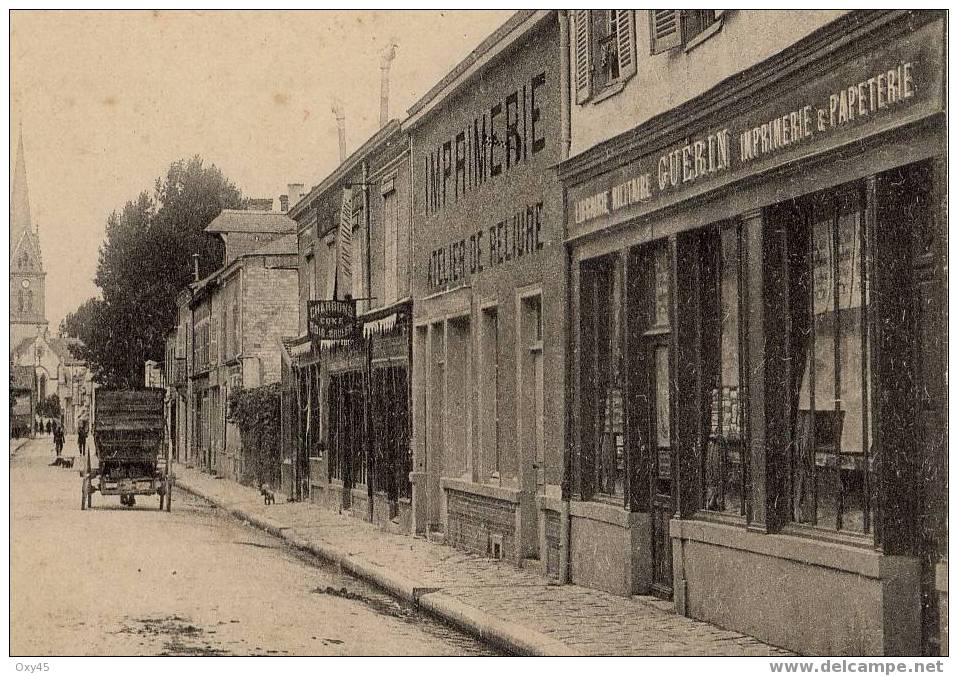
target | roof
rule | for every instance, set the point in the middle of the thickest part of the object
(61, 347)
(238, 220)
(287, 244)
(348, 165)
(504, 36)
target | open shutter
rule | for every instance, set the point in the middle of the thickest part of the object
(666, 26)
(583, 55)
(625, 39)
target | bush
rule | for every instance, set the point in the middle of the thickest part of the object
(256, 412)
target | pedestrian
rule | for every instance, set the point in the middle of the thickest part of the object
(58, 439)
(49, 427)
(81, 436)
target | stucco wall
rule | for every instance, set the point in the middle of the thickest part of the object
(663, 81)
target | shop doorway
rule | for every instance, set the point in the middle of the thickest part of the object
(653, 371)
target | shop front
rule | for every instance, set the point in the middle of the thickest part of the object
(759, 347)
(489, 300)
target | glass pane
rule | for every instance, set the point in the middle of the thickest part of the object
(610, 451)
(724, 457)
(663, 437)
(660, 311)
(829, 434)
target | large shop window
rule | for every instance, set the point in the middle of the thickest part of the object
(601, 382)
(724, 464)
(831, 466)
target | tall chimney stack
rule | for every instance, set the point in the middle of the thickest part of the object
(196, 267)
(284, 203)
(387, 56)
(341, 127)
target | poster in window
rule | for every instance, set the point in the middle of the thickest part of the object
(662, 410)
(849, 264)
(660, 310)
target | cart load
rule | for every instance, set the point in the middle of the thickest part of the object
(128, 434)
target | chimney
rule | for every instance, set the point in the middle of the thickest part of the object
(196, 267)
(387, 56)
(284, 203)
(341, 126)
(295, 192)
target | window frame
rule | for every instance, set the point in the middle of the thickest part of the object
(585, 54)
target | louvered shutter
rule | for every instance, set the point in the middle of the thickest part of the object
(666, 26)
(625, 42)
(583, 55)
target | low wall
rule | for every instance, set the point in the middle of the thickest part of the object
(807, 595)
(609, 548)
(481, 517)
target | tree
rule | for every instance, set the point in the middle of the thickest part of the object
(145, 261)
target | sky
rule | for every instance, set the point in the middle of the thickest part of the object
(108, 100)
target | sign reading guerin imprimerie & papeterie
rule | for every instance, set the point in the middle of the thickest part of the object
(802, 119)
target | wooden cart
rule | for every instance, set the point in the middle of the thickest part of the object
(128, 435)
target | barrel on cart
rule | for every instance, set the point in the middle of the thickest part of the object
(128, 435)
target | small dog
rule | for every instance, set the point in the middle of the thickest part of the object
(62, 461)
(269, 497)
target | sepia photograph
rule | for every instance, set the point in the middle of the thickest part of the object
(463, 333)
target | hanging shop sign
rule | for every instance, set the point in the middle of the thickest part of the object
(331, 319)
(876, 92)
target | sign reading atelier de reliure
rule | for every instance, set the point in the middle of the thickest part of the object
(832, 107)
(506, 134)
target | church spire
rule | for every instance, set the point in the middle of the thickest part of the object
(20, 218)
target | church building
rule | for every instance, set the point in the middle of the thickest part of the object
(56, 370)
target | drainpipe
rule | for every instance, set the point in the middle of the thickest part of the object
(565, 105)
(370, 470)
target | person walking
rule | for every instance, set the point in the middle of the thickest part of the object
(81, 436)
(49, 427)
(58, 438)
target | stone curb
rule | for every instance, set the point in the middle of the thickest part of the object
(509, 636)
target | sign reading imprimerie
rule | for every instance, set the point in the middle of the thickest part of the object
(331, 319)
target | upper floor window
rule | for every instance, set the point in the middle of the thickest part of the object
(604, 42)
(672, 28)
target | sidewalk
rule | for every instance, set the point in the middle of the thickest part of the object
(515, 609)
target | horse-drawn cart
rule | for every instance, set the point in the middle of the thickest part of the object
(128, 435)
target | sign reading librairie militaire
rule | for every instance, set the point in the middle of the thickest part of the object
(331, 319)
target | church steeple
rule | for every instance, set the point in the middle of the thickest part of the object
(20, 217)
(27, 287)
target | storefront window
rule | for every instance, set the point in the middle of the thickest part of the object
(830, 455)
(601, 383)
(724, 462)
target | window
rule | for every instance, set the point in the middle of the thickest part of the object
(601, 380)
(390, 246)
(531, 384)
(830, 463)
(671, 28)
(724, 461)
(489, 383)
(604, 50)
(358, 257)
(330, 267)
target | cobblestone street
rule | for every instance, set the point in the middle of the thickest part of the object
(586, 621)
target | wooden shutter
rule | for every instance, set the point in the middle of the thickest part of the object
(666, 27)
(583, 55)
(625, 42)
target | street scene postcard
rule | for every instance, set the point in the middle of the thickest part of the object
(540, 332)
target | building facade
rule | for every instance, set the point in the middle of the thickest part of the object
(489, 299)
(755, 218)
(229, 328)
(346, 430)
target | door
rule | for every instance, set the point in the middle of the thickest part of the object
(654, 390)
